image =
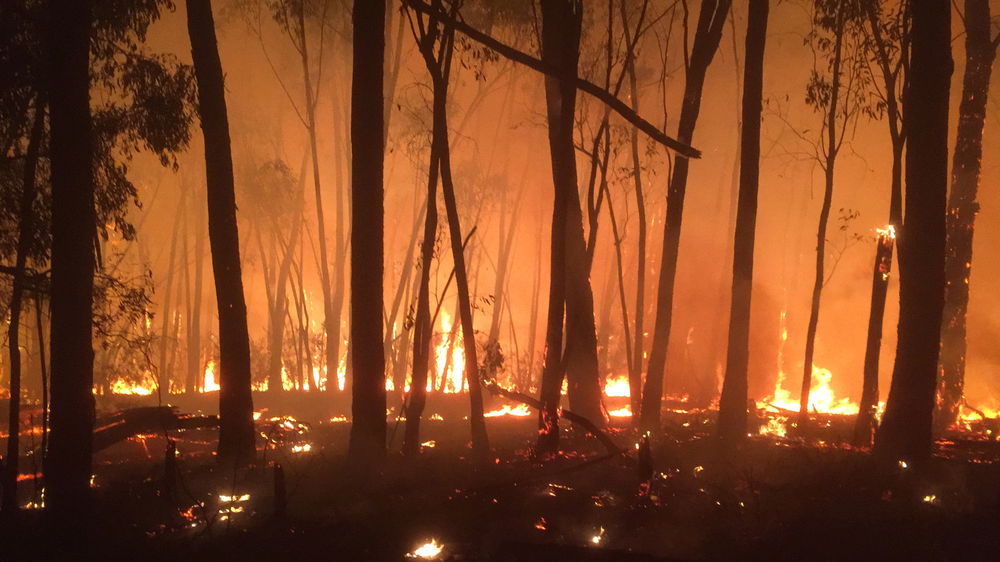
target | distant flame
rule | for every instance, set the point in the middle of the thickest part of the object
(211, 382)
(506, 410)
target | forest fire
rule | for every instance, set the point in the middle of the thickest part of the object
(478, 280)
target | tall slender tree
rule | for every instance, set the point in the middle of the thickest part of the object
(25, 235)
(236, 432)
(906, 430)
(569, 292)
(733, 404)
(980, 51)
(68, 462)
(708, 33)
(887, 39)
(368, 429)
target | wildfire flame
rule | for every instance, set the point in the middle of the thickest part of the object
(211, 382)
(506, 410)
(427, 551)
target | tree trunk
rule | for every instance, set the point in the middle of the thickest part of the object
(907, 424)
(68, 462)
(330, 316)
(829, 166)
(480, 440)
(864, 425)
(733, 404)
(163, 371)
(422, 328)
(706, 42)
(561, 25)
(236, 432)
(368, 429)
(194, 319)
(962, 205)
(25, 235)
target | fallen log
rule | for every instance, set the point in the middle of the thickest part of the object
(119, 426)
(582, 421)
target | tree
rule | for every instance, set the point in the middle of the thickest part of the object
(906, 430)
(368, 360)
(708, 33)
(569, 290)
(733, 404)
(831, 17)
(68, 462)
(236, 432)
(887, 39)
(980, 51)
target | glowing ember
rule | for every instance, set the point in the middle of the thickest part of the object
(303, 448)
(506, 410)
(338, 419)
(211, 382)
(598, 538)
(429, 444)
(428, 551)
(624, 412)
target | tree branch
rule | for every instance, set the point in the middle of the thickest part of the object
(584, 85)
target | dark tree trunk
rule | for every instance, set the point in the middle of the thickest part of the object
(68, 462)
(733, 404)
(980, 51)
(236, 432)
(422, 328)
(569, 289)
(829, 166)
(367, 357)
(711, 20)
(25, 235)
(907, 424)
(864, 425)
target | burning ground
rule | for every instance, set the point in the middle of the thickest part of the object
(785, 493)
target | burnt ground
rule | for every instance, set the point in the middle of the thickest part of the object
(771, 499)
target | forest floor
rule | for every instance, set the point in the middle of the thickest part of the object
(771, 499)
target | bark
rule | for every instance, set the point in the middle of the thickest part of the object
(25, 235)
(236, 432)
(906, 426)
(980, 50)
(706, 42)
(68, 462)
(733, 403)
(829, 166)
(864, 425)
(368, 399)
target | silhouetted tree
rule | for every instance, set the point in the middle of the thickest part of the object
(708, 33)
(25, 237)
(368, 360)
(907, 423)
(733, 404)
(886, 38)
(236, 432)
(980, 51)
(68, 460)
